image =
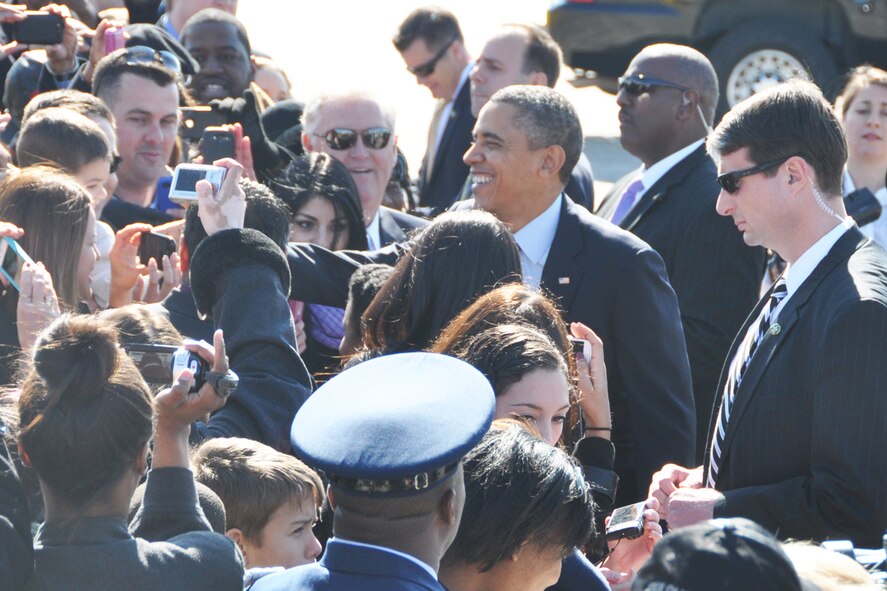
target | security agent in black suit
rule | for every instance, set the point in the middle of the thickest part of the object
(666, 104)
(528, 138)
(431, 44)
(797, 432)
(358, 131)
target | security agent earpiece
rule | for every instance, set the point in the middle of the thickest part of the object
(685, 102)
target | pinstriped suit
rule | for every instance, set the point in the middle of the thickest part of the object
(715, 276)
(804, 452)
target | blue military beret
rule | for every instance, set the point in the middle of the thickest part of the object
(394, 424)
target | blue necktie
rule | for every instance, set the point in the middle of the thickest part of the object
(738, 366)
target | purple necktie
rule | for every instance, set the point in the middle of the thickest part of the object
(627, 201)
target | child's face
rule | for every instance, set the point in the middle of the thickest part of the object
(287, 539)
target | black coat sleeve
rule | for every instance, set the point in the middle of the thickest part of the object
(242, 278)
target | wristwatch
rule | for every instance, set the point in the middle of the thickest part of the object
(224, 383)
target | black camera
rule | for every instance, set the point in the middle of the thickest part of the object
(158, 364)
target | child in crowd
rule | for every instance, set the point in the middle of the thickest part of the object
(271, 500)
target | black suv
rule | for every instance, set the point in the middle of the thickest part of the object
(752, 43)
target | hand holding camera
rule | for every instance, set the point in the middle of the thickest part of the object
(179, 406)
(222, 207)
(594, 394)
(38, 304)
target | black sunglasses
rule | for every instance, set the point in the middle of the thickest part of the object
(115, 163)
(374, 138)
(427, 69)
(729, 181)
(638, 84)
(142, 54)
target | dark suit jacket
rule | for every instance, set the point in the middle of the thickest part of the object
(449, 171)
(616, 284)
(395, 226)
(804, 447)
(346, 567)
(715, 275)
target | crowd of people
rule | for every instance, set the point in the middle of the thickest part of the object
(336, 376)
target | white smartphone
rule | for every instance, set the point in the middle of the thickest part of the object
(184, 181)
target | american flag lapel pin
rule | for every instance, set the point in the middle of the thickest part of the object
(563, 280)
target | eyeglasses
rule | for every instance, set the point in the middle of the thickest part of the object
(374, 138)
(729, 181)
(427, 69)
(638, 84)
(142, 54)
(115, 163)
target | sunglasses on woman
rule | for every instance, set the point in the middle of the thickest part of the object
(374, 138)
(729, 181)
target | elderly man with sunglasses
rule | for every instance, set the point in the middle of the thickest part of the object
(797, 435)
(667, 101)
(358, 131)
(430, 42)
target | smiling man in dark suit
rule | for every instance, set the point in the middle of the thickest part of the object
(797, 435)
(430, 42)
(667, 100)
(527, 141)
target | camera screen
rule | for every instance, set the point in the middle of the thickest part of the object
(155, 366)
(629, 513)
(187, 179)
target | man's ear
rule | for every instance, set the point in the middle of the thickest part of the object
(553, 160)
(329, 496)
(447, 511)
(538, 79)
(306, 142)
(687, 108)
(798, 172)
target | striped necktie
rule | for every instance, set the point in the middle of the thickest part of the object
(738, 366)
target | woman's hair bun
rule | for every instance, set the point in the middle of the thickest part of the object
(76, 356)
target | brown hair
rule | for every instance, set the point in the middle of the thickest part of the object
(140, 324)
(515, 303)
(859, 78)
(53, 209)
(253, 481)
(48, 137)
(84, 412)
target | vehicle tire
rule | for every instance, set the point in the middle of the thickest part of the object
(760, 54)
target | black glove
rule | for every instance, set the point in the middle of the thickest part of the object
(267, 155)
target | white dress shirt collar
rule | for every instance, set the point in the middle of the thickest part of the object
(796, 274)
(650, 176)
(534, 241)
(374, 238)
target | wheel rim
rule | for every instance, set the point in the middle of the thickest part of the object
(761, 70)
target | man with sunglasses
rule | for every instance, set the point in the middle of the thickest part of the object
(358, 131)
(524, 54)
(430, 42)
(667, 100)
(798, 430)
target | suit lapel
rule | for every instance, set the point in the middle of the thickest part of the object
(389, 231)
(659, 191)
(460, 107)
(562, 272)
(786, 321)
